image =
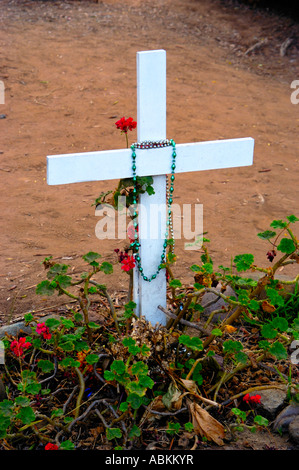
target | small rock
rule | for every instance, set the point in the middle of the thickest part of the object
(2, 116)
(285, 417)
(294, 430)
(272, 401)
(219, 303)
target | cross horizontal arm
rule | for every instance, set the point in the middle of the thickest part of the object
(117, 164)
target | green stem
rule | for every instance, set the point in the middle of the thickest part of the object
(81, 392)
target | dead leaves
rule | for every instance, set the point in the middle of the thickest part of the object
(205, 425)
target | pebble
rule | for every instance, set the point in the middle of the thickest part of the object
(286, 417)
(294, 430)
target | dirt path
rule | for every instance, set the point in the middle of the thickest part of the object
(69, 74)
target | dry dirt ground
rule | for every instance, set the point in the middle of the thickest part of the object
(69, 71)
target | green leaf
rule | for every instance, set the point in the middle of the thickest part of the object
(135, 431)
(145, 350)
(241, 357)
(26, 415)
(52, 322)
(195, 268)
(106, 267)
(263, 344)
(109, 376)
(193, 343)
(280, 323)
(28, 317)
(67, 323)
(208, 267)
(266, 235)
(146, 382)
(123, 406)
(130, 305)
(173, 428)
(56, 270)
(22, 401)
(45, 365)
(231, 346)
(189, 427)
(69, 362)
(243, 262)
(136, 387)
(67, 346)
(118, 367)
(91, 257)
(46, 288)
(4, 424)
(274, 297)
(268, 331)
(292, 219)
(139, 368)
(93, 325)
(127, 342)
(175, 283)
(78, 317)
(286, 245)
(67, 445)
(217, 332)
(253, 305)
(261, 421)
(134, 400)
(92, 358)
(37, 343)
(33, 388)
(63, 280)
(278, 350)
(134, 350)
(150, 190)
(278, 224)
(239, 413)
(113, 433)
(6, 407)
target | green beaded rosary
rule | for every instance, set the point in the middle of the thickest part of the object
(135, 245)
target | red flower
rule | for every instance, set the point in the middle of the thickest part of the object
(252, 399)
(42, 329)
(17, 347)
(128, 263)
(126, 125)
(50, 446)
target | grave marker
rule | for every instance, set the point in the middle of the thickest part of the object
(117, 164)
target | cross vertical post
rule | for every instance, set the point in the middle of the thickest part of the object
(151, 125)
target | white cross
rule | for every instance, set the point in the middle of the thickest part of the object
(117, 164)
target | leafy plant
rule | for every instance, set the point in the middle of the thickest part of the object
(135, 379)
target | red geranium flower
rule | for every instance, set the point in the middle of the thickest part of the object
(252, 399)
(17, 347)
(128, 263)
(50, 446)
(126, 125)
(42, 329)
